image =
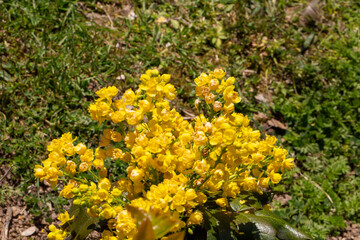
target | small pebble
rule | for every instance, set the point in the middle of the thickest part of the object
(28, 232)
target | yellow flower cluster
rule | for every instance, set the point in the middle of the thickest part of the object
(51, 167)
(56, 234)
(217, 91)
(172, 165)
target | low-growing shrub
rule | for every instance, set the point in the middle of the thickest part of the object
(157, 175)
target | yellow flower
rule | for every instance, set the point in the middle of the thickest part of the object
(39, 171)
(98, 163)
(195, 218)
(190, 194)
(129, 97)
(142, 140)
(153, 73)
(173, 165)
(201, 167)
(125, 224)
(214, 84)
(70, 167)
(118, 116)
(249, 184)
(145, 105)
(67, 191)
(115, 136)
(216, 138)
(88, 156)
(102, 194)
(202, 80)
(136, 175)
(231, 189)
(178, 201)
(56, 234)
(64, 217)
(229, 108)
(99, 111)
(84, 166)
(264, 182)
(80, 148)
(200, 138)
(222, 202)
(201, 198)
(83, 188)
(104, 184)
(169, 91)
(218, 73)
(107, 235)
(117, 153)
(55, 145)
(288, 163)
(257, 157)
(230, 81)
(165, 77)
(116, 192)
(104, 141)
(275, 177)
(217, 106)
(69, 149)
(107, 92)
(209, 98)
(133, 117)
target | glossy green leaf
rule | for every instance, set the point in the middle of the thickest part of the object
(259, 227)
(217, 224)
(138, 214)
(176, 236)
(161, 224)
(238, 207)
(145, 230)
(284, 230)
(82, 225)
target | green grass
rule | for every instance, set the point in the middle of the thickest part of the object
(55, 54)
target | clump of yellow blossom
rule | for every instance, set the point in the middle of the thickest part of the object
(171, 165)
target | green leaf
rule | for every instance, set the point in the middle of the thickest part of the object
(176, 236)
(4, 76)
(238, 207)
(161, 224)
(175, 24)
(82, 225)
(257, 226)
(138, 214)
(145, 230)
(217, 224)
(284, 230)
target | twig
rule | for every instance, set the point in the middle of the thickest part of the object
(108, 16)
(192, 116)
(319, 187)
(6, 173)
(5, 230)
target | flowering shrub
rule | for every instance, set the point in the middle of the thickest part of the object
(177, 175)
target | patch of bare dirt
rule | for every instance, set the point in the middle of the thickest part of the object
(15, 218)
(351, 232)
(106, 14)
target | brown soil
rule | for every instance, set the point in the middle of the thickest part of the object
(22, 221)
(352, 231)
